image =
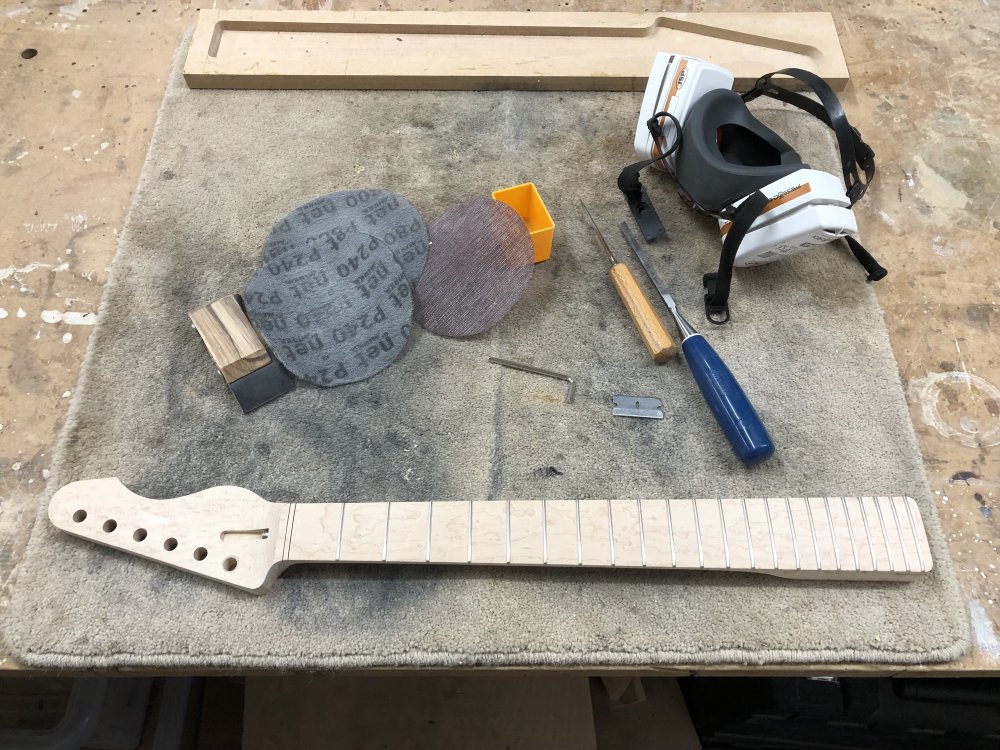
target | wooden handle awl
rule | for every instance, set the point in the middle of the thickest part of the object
(661, 347)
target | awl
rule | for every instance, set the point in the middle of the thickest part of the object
(730, 405)
(654, 335)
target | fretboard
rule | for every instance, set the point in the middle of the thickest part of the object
(845, 537)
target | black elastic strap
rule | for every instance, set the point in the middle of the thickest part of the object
(872, 266)
(717, 284)
(635, 195)
(854, 152)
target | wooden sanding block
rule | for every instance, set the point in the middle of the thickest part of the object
(253, 375)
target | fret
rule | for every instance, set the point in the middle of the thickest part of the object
(250, 541)
(850, 533)
(579, 535)
(746, 519)
(430, 524)
(611, 534)
(697, 535)
(385, 535)
(812, 531)
(868, 532)
(833, 532)
(670, 531)
(642, 532)
(340, 531)
(468, 554)
(725, 535)
(508, 531)
(770, 532)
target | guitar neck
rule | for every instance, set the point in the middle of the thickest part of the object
(231, 535)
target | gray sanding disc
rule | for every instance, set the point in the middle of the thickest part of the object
(329, 219)
(479, 264)
(331, 317)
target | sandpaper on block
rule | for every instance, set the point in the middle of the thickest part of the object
(254, 376)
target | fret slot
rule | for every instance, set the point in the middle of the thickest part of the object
(682, 516)
(919, 534)
(628, 544)
(887, 523)
(408, 532)
(804, 533)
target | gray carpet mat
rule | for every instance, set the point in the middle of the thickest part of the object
(807, 340)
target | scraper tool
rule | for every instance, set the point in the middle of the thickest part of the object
(730, 405)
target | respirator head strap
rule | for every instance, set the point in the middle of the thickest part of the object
(635, 194)
(717, 284)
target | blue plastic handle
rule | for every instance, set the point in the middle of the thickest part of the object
(730, 405)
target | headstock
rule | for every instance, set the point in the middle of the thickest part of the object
(228, 534)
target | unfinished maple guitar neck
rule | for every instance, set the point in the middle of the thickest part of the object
(231, 535)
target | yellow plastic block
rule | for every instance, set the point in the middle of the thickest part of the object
(529, 206)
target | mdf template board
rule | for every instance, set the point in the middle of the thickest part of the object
(489, 50)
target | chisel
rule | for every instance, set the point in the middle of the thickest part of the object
(654, 335)
(730, 405)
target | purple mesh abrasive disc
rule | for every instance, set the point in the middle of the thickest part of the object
(478, 265)
(332, 312)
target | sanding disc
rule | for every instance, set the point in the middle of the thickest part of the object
(331, 317)
(479, 264)
(329, 219)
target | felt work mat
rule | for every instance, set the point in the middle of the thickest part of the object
(807, 340)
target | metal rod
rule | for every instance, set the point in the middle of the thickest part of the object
(538, 371)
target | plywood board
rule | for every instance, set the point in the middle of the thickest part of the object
(248, 49)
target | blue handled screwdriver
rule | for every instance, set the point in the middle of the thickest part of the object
(730, 405)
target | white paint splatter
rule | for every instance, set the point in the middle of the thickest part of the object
(982, 627)
(79, 221)
(61, 267)
(886, 218)
(940, 247)
(67, 337)
(927, 391)
(16, 466)
(76, 93)
(44, 227)
(76, 8)
(15, 12)
(20, 312)
(104, 145)
(936, 189)
(69, 318)
(3, 313)
(67, 394)
(46, 474)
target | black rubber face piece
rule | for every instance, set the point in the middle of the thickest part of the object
(333, 308)
(478, 266)
(329, 219)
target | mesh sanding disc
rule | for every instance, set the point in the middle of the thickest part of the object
(478, 265)
(331, 316)
(327, 220)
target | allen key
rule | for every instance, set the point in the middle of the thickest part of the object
(538, 371)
